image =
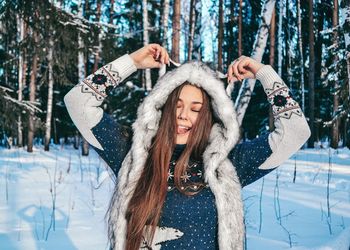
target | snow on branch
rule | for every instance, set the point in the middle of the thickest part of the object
(30, 106)
(83, 24)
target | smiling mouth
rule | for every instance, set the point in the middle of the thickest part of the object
(182, 129)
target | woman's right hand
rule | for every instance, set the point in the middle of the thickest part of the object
(150, 56)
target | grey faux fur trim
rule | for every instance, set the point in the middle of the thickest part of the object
(219, 172)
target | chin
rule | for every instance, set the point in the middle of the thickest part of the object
(181, 140)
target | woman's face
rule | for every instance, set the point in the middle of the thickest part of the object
(188, 106)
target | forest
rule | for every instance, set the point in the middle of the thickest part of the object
(47, 47)
(55, 188)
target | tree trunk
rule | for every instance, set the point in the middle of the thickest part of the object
(49, 95)
(311, 140)
(280, 35)
(111, 11)
(22, 68)
(146, 41)
(197, 46)
(220, 35)
(32, 93)
(335, 125)
(192, 26)
(175, 50)
(300, 43)
(99, 37)
(345, 25)
(165, 20)
(247, 87)
(231, 38)
(240, 29)
(81, 70)
(272, 60)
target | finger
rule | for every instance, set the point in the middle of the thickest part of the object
(235, 71)
(153, 47)
(163, 55)
(242, 66)
(167, 61)
(156, 49)
(229, 73)
(245, 68)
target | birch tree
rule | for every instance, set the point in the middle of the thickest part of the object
(197, 41)
(32, 94)
(272, 59)
(146, 41)
(99, 37)
(247, 87)
(81, 68)
(165, 20)
(280, 35)
(22, 68)
(49, 93)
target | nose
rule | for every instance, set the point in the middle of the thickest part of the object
(183, 114)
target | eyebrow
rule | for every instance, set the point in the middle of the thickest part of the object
(195, 102)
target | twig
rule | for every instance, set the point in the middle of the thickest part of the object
(260, 204)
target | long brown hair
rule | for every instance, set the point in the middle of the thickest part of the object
(147, 201)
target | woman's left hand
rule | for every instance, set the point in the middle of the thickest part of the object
(242, 68)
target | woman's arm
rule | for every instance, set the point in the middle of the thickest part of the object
(83, 102)
(111, 140)
(260, 156)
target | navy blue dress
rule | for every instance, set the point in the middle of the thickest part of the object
(188, 222)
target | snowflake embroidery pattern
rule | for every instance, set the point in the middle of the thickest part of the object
(192, 180)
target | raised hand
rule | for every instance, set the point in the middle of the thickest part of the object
(150, 56)
(242, 68)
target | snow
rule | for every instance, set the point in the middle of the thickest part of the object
(79, 188)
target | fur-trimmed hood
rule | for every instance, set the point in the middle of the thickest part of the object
(218, 170)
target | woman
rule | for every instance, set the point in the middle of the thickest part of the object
(181, 171)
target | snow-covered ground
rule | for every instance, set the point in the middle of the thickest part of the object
(58, 199)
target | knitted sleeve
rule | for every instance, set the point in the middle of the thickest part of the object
(83, 103)
(258, 157)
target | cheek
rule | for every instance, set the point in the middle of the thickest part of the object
(194, 118)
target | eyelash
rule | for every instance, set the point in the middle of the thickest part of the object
(197, 111)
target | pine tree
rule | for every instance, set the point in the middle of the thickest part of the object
(175, 49)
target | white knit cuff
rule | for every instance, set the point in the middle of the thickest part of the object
(124, 65)
(267, 76)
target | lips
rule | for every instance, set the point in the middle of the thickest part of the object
(183, 129)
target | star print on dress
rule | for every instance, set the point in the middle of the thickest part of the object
(283, 105)
(161, 235)
(101, 82)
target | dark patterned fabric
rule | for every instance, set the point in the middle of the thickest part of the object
(283, 105)
(101, 82)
